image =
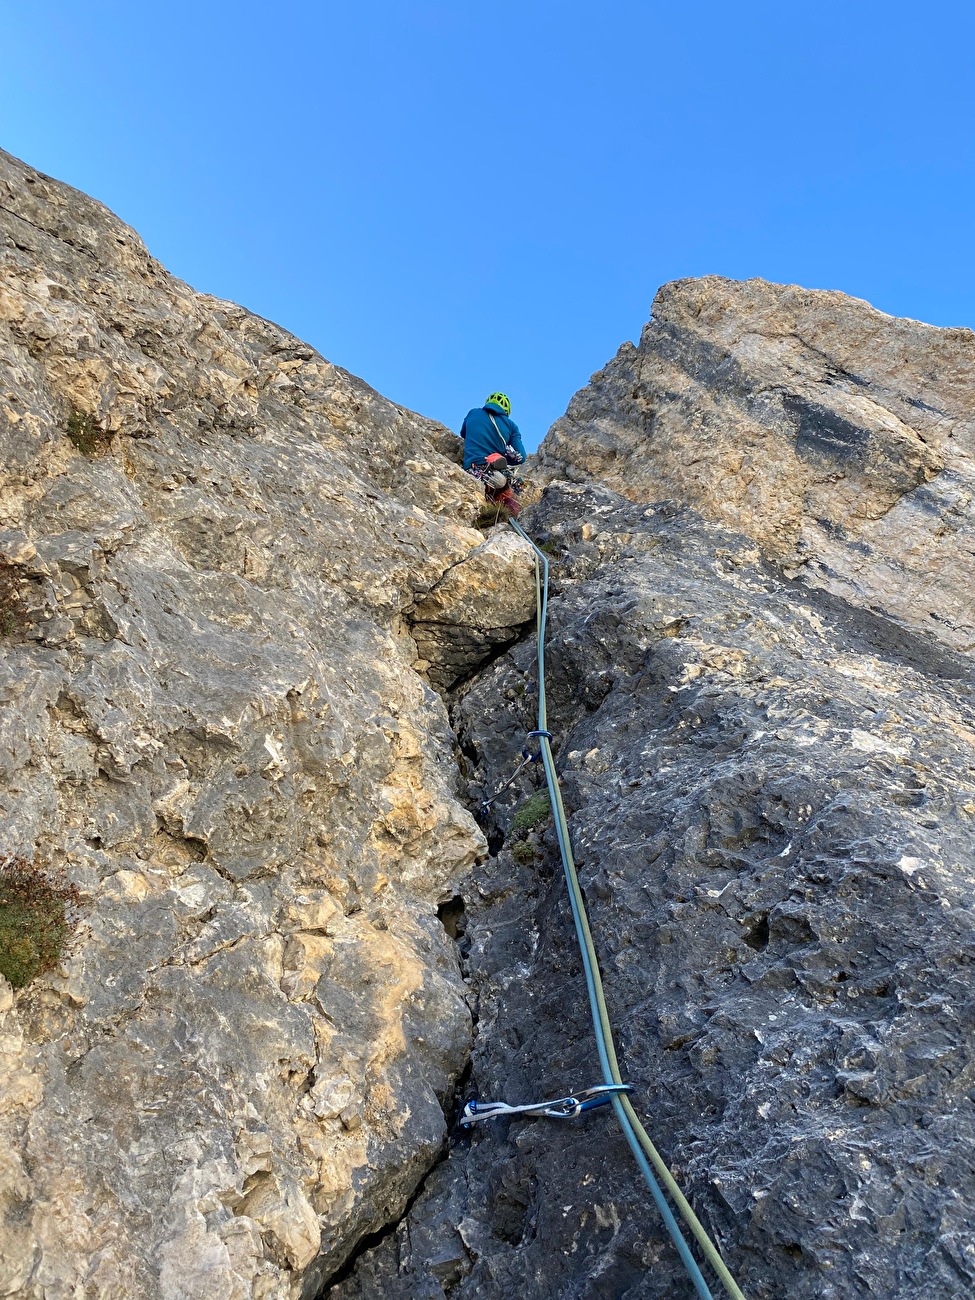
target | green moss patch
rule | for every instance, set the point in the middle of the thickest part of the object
(532, 813)
(39, 911)
(86, 434)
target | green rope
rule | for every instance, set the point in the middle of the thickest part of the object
(636, 1135)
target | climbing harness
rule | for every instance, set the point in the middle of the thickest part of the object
(526, 757)
(648, 1158)
(496, 474)
(501, 487)
(562, 1108)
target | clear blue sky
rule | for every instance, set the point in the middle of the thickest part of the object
(447, 197)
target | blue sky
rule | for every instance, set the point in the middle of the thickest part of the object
(447, 197)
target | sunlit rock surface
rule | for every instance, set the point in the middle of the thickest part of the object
(219, 719)
(477, 606)
(213, 722)
(841, 439)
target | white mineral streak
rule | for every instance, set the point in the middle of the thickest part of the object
(214, 723)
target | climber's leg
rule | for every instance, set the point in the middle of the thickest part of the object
(510, 502)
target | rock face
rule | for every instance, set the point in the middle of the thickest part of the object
(772, 798)
(839, 438)
(214, 722)
(479, 604)
(231, 575)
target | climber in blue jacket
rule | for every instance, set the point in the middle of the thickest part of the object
(490, 428)
(492, 443)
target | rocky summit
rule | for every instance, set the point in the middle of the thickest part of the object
(258, 666)
(840, 439)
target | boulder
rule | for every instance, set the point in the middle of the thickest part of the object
(480, 604)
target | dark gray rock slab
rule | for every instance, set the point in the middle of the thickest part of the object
(772, 798)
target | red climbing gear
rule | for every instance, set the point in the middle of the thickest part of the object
(500, 485)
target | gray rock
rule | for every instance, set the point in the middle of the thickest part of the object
(772, 797)
(841, 439)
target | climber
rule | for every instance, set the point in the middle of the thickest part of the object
(492, 444)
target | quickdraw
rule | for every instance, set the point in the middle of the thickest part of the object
(526, 757)
(561, 1108)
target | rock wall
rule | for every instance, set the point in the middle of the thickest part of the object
(839, 438)
(217, 722)
(772, 800)
(231, 575)
(763, 697)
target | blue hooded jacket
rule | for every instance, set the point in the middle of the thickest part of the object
(481, 438)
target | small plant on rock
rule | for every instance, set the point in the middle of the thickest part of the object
(13, 616)
(522, 851)
(490, 515)
(39, 910)
(86, 434)
(532, 813)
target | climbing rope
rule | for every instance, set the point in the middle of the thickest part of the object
(647, 1156)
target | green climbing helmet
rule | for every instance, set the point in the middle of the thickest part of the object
(502, 400)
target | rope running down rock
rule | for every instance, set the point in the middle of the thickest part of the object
(644, 1151)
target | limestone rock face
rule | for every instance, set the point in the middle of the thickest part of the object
(214, 723)
(839, 438)
(772, 800)
(478, 604)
